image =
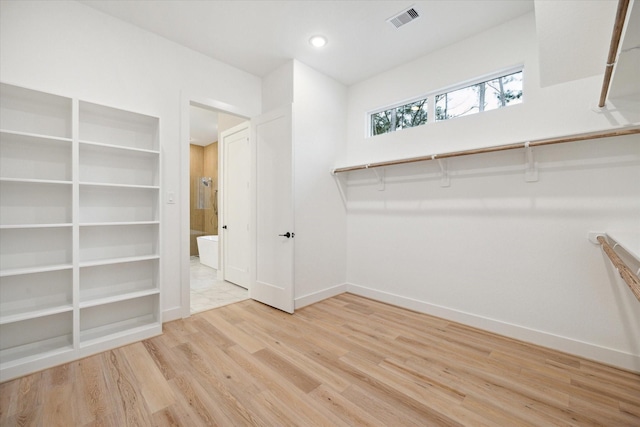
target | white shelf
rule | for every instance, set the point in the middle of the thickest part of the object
(35, 294)
(34, 113)
(101, 321)
(628, 240)
(120, 149)
(34, 248)
(35, 158)
(102, 205)
(37, 350)
(112, 126)
(119, 297)
(11, 316)
(107, 224)
(27, 226)
(32, 337)
(105, 283)
(35, 137)
(119, 329)
(35, 181)
(35, 202)
(117, 241)
(120, 186)
(33, 270)
(102, 164)
(123, 260)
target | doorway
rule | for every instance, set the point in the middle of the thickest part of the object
(207, 285)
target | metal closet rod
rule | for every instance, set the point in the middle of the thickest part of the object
(625, 272)
(621, 15)
(535, 143)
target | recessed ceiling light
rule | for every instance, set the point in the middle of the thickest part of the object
(318, 41)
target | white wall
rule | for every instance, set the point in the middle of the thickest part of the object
(492, 250)
(573, 38)
(72, 50)
(319, 129)
(277, 87)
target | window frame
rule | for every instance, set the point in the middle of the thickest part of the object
(431, 98)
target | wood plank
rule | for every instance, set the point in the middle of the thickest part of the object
(220, 319)
(216, 383)
(278, 393)
(202, 410)
(98, 400)
(287, 370)
(8, 400)
(336, 404)
(156, 392)
(382, 410)
(124, 385)
(56, 406)
(290, 348)
(434, 408)
(162, 357)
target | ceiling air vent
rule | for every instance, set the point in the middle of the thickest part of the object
(403, 17)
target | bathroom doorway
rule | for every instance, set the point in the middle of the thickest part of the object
(208, 289)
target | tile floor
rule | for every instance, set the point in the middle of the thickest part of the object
(208, 292)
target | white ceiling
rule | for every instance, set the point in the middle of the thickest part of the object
(259, 36)
(203, 126)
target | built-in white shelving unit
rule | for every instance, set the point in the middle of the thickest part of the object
(79, 229)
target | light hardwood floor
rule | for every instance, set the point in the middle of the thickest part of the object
(344, 361)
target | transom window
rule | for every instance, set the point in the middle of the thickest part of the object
(484, 96)
(500, 91)
(401, 117)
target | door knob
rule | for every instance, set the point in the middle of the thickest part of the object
(224, 227)
(287, 235)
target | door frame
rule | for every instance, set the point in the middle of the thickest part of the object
(186, 100)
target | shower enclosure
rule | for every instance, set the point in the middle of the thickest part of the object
(204, 209)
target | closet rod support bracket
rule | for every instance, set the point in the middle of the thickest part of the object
(530, 166)
(379, 177)
(593, 236)
(445, 181)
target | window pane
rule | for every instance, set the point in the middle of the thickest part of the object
(461, 102)
(381, 122)
(490, 95)
(512, 85)
(411, 115)
(404, 116)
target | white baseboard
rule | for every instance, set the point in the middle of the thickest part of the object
(320, 295)
(173, 313)
(588, 351)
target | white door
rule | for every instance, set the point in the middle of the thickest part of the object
(236, 163)
(272, 195)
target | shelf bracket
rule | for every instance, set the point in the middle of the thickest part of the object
(444, 170)
(341, 183)
(379, 177)
(593, 236)
(530, 166)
